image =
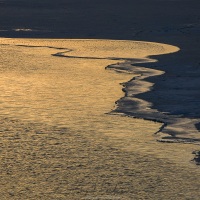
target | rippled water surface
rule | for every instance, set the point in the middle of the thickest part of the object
(57, 142)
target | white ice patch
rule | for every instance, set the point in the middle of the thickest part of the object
(24, 29)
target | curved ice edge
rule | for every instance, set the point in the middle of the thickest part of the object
(178, 128)
(197, 157)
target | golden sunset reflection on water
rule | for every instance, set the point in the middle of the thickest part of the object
(43, 91)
